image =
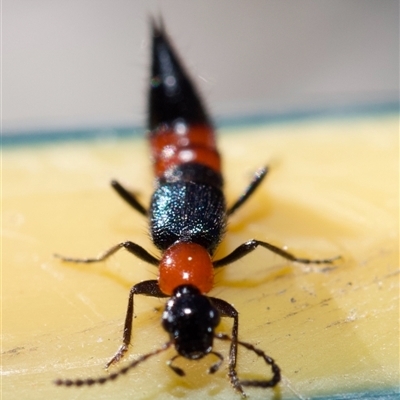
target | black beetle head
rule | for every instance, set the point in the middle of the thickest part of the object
(190, 319)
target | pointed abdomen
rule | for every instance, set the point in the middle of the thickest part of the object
(180, 131)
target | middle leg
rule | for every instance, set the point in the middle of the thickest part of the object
(133, 248)
(252, 244)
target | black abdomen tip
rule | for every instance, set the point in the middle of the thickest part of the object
(172, 95)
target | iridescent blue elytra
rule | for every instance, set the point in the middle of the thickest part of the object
(188, 212)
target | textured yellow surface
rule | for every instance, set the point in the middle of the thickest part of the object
(333, 189)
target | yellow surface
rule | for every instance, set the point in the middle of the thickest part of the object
(333, 190)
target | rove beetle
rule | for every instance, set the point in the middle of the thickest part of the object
(187, 221)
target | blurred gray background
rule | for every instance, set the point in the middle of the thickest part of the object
(84, 63)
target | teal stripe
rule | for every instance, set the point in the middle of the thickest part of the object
(393, 394)
(39, 137)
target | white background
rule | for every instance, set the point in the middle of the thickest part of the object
(84, 63)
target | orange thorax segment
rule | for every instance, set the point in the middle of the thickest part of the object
(186, 263)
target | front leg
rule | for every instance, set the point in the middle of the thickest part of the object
(147, 288)
(226, 310)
